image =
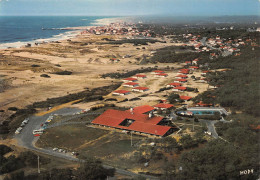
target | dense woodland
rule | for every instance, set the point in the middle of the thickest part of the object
(238, 90)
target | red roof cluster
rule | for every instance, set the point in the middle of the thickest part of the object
(140, 122)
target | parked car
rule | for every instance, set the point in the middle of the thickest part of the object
(60, 150)
(18, 130)
(26, 120)
(38, 131)
(74, 154)
(55, 149)
(22, 124)
(209, 133)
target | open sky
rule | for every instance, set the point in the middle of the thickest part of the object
(130, 7)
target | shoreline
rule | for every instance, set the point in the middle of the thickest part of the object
(69, 32)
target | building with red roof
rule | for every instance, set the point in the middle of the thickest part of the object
(184, 71)
(174, 84)
(204, 73)
(140, 89)
(161, 75)
(181, 76)
(134, 122)
(157, 72)
(195, 61)
(131, 84)
(140, 76)
(121, 92)
(180, 80)
(201, 104)
(130, 79)
(194, 67)
(188, 62)
(142, 109)
(163, 106)
(179, 88)
(185, 98)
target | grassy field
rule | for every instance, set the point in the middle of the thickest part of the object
(69, 137)
(111, 147)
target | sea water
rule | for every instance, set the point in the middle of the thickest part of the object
(17, 31)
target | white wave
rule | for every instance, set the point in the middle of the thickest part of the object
(58, 37)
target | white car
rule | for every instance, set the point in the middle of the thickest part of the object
(23, 124)
(38, 131)
(60, 150)
(209, 133)
(55, 149)
(25, 121)
(18, 130)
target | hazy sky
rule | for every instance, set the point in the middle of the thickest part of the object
(130, 7)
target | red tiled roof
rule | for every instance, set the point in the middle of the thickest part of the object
(141, 88)
(158, 71)
(194, 67)
(182, 80)
(183, 76)
(203, 104)
(162, 74)
(175, 84)
(130, 79)
(142, 109)
(256, 127)
(142, 122)
(188, 62)
(185, 97)
(184, 70)
(140, 75)
(180, 88)
(131, 83)
(121, 91)
(163, 105)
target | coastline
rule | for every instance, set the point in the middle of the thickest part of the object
(69, 33)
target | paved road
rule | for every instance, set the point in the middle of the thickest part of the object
(211, 127)
(27, 140)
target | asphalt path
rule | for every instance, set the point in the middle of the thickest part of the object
(27, 140)
(211, 127)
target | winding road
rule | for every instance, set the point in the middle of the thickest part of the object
(27, 140)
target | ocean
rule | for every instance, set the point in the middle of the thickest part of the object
(17, 31)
